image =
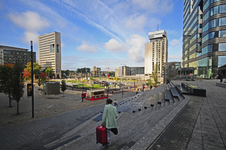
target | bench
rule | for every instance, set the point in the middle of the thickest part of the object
(193, 89)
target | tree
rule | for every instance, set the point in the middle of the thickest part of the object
(150, 82)
(18, 84)
(43, 77)
(112, 73)
(155, 75)
(36, 68)
(91, 78)
(39, 82)
(63, 86)
(26, 74)
(6, 78)
(49, 72)
(67, 72)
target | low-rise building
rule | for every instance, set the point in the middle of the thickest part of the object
(9, 54)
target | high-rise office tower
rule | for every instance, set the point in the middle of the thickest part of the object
(156, 51)
(204, 37)
(49, 52)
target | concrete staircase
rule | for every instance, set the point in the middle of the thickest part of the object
(142, 119)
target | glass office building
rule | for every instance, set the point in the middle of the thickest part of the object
(204, 37)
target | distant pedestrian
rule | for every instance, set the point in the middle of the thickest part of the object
(109, 120)
(82, 95)
(115, 103)
(221, 77)
(136, 91)
(150, 86)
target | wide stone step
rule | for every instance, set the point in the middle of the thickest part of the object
(168, 95)
(174, 92)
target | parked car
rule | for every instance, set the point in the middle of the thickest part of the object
(96, 82)
(114, 83)
(120, 84)
(105, 84)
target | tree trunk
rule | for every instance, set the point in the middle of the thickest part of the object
(17, 108)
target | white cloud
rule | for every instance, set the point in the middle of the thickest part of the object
(32, 22)
(136, 50)
(85, 47)
(175, 42)
(136, 22)
(115, 46)
(30, 36)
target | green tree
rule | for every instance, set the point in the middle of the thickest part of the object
(155, 75)
(91, 78)
(36, 68)
(63, 86)
(150, 82)
(49, 72)
(6, 78)
(112, 73)
(18, 84)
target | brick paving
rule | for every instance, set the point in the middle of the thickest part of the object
(199, 123)
(54, 116)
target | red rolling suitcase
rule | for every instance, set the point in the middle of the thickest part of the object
(101, 135)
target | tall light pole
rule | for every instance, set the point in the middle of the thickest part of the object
(32, 80)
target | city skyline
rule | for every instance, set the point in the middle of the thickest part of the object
(94, 33)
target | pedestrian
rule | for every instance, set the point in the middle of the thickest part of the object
(115, 103)
(221, 77)
(150, 87)
(109, 120)
(82, 95)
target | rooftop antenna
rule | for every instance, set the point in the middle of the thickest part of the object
(157, 26)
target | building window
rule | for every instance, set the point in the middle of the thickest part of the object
(57, 48)
(222, 46)
(51, 48)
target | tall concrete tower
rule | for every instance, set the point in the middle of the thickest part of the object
(156, 51)
(49, 52)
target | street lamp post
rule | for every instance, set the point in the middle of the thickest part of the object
(32, 80)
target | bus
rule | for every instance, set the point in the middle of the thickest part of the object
(93, 95)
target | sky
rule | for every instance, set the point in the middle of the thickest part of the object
(102, 33)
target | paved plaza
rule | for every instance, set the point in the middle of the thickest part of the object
(190, 122)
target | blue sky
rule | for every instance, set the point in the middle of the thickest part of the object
(102, 33)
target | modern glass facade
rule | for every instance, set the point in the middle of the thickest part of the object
(204, 36)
